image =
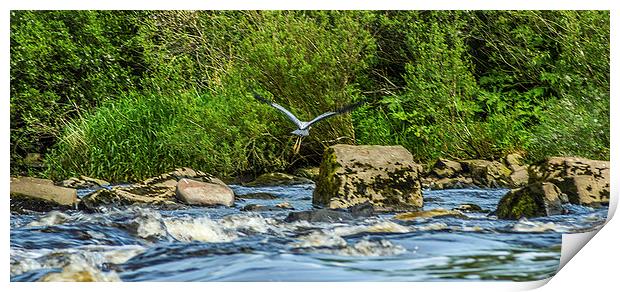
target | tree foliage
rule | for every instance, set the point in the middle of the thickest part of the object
(126, 94)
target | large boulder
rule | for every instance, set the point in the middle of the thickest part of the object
(385, 176)
(278, 179)
(40, 195)
(204, 194)
(559, 167)
(585, 181)
(584, 189)
(510, 171)
(534, 200)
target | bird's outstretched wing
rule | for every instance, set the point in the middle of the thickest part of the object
(291, 116)
(339, 111)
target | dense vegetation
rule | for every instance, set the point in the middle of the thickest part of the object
(123, 95)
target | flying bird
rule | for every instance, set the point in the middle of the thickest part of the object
(304, 127)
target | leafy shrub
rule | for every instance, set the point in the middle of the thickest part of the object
(123, 94)
(64, 63)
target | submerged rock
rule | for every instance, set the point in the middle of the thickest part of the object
(262, 208)
(470, 208)
(326, 215)
(80, 273)
(535, 200)
(321, 215)
(429, 214)
(49, 219)
(285, 205)
(385, 176)
(204, 194)
(40, 195)
(278, 179)
(258, 196)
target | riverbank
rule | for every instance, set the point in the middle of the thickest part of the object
(190, 226)
(350, 176)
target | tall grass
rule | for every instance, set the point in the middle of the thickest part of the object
(143, 135)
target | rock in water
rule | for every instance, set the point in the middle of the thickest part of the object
(124, 196)
(429, 214)
(204, 194)
(83, 182)
(469, 208)
(258, 196)
(320, 215)
(308, 172)
(262, 208)
(451, 183)
(486, 173)
(40, 195)
(585, 181)
(159, 190)
(584, 190)
(535, 200)
(556, 167)
(278, 179)
(445, 168)
(519, 176)
(326, 215)
(385, 176)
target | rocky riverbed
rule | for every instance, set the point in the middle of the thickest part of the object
(131, 243)
(373, 214)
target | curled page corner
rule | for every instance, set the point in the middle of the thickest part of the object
(573, 243)
(614, 176)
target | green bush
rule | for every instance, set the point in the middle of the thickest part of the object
(64, 63)
(124, 94)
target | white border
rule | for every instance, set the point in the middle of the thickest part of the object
(594, 267)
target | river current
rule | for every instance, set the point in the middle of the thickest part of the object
(227, 244)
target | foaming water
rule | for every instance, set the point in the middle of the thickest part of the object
(227, 244)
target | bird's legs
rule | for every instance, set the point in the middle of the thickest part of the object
(297, 145)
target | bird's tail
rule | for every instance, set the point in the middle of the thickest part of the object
(260, 98)
(349, 107)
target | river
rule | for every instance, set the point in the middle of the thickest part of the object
(227, 244)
